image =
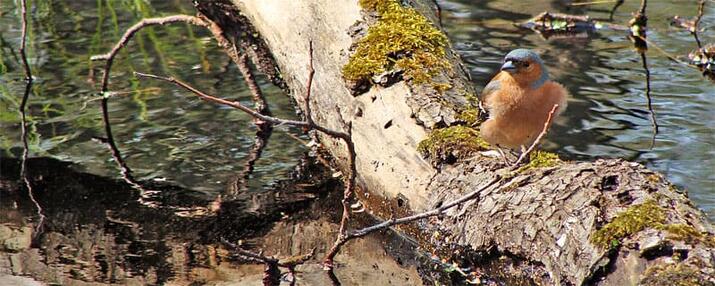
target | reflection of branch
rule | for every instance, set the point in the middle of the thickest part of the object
(23, 118)
(538, 138)
(647, 95)
(25, 153)
(271, 275)
(117, 156)
(308, 123)
(259, 102)
(613, 10)
(259, 143)
(109, 57)
(241, 60)
(23, 41)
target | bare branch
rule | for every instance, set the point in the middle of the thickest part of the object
(234, 104)
(694, 30)
(23, 40)
(347, 138)
(342, 239)
(538, 138)
(241, 60)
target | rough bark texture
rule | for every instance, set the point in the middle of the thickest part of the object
(546, 220)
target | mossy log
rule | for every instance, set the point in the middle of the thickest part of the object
(605, 222)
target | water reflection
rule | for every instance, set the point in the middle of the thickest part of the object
(106, 235)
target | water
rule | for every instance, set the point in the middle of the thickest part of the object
(607, 116)
(195, 151)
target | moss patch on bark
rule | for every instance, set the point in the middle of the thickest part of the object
(402, 39)
(448, 144)
(677, 274)
(632, 220)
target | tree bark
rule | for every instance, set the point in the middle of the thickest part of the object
(544, 224)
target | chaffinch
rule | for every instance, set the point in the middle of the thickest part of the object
(519, 99)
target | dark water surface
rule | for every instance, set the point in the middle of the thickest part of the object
(98, 228)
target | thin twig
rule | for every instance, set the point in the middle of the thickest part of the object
(350, 181)
(614, 8)
(694, 31)
(257, 257)
(538, 138)
(109, 57)
(234, 104)
(241, 60)
(308, 113)
(23, 40)
(593, 3)
(666, 54)
(342, 239)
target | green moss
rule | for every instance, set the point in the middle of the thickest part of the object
(402, 38)
(453, 141)
(653, 178)
(441, 87)
(677, 274)
(688, 234)
(540, 159)
(633, 220)
(470, 116)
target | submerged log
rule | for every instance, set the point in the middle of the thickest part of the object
(606, 222)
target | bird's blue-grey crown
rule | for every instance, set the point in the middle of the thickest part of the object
(521, 55)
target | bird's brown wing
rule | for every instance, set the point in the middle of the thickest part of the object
(490, 89)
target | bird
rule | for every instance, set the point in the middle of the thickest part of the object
(518, 100)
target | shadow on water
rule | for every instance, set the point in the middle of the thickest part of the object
(89, 218)
(110, 235)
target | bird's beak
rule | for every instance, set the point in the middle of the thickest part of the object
(508, 66)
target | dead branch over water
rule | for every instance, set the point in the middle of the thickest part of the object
(23, 40)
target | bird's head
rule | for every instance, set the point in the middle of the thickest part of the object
(526, 67)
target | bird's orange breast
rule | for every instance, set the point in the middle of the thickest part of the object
(517, 114)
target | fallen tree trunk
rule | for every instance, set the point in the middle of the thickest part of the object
(607, 222)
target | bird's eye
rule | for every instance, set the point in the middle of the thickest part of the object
(526, 64)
